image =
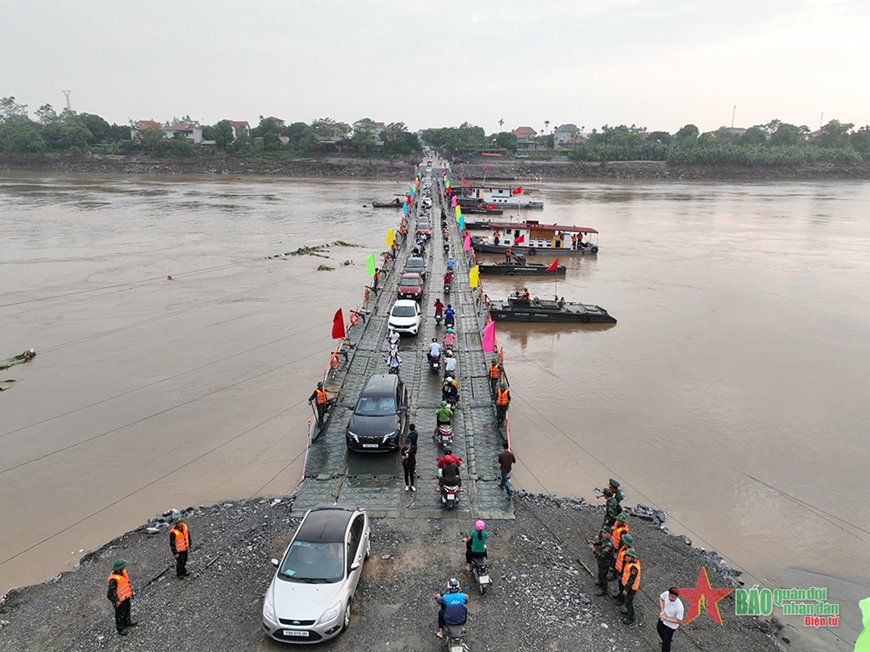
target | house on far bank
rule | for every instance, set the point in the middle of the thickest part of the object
(241, 130)
(190, 130)
(735, 131)
(278, 122)
(565, 135)
(525, 138)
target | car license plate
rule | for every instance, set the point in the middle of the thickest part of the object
(295, 632)
(369, 445)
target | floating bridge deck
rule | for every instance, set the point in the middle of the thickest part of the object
(375, 480)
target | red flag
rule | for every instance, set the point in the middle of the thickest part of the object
(520, 238)
(517, 190)
(408, 199)
(338, 326)
(553, 266)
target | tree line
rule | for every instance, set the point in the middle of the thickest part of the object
(82, 133)
(776, 143)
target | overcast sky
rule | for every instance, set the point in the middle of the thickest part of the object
(656, 63)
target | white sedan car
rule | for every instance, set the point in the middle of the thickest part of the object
(309, 598)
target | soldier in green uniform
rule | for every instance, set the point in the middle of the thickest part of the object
(630, 583)
(613, 508)
(617, 492)
(603, 550)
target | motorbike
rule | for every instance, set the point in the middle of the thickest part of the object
(450, 399)
(454, 636)
(444, 435)
(435, 363)
(446, 248)
(438, 319)
(450, 495)
(480, 569)
(449, 322)
(447, 288)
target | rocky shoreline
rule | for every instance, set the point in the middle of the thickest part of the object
(543, 597)
(338, 167)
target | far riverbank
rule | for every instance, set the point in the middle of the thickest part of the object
(334, 166)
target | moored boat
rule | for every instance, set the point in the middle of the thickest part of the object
(396, 203)
(515, 308)
(497, 196)
(531, 237)
(520, 267)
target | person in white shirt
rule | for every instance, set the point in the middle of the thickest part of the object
(670, 618)
(449, 366)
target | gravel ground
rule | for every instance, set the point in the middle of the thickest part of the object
(542, 598)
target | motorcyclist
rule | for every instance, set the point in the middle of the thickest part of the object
(445, 233)
(448, 470)
(448, 278)
(450, 390)
(449, 339)
(439, 308)
(450, 264)
(434, 351)
(453, 610)
(443, 415)
(449, 365)
(394, 338)
(449, 316)
(475, 544)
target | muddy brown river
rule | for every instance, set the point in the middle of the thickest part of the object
(733, 392)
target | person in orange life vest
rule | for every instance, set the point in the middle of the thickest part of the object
(376, 278)
(502, 402)
(625, 542)
(494, 377)
(120, 592)
(525, 296)
(179, 543)
(631, 582)
(620, 527)
(321, 401)
(508, 255)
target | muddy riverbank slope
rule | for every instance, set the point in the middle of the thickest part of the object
(542, 599)
(332, 167)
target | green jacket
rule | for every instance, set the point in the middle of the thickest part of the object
(444, 414)
(603, 550)
(478, 544)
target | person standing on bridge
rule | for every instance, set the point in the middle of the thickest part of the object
(409, 464)
(321, 401)
(502, 403)
(375, 279)
(506, 461)
(495, 371)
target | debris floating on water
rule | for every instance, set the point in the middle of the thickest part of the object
(21, 358)
(325, 268)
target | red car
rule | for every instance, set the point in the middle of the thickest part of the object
(424, 228)
(410, 287)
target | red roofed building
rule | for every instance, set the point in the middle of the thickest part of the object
(525, 137)
(241, 129)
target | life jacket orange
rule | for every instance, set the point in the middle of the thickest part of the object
(620, 558)
(501, 397)
(182, 537)
(123, 588)
(320, 396)
(630, 563)
(508, 252)
(619, 528)
(494, 371)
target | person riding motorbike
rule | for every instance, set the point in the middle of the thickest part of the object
(450, 391)
(445, 233)
(448, 278)
(394, 338)
(449, 316)
(439, 308)
(443, 414)
(450, 264)
(434, 351)
(449, 338)
(452, 610)
(475, 544)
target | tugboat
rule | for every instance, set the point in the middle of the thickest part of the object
(396, 203)
(531, 237)
(520, 307)
(519, 267)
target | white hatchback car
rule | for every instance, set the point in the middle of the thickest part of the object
(309, 598)
(405, 316)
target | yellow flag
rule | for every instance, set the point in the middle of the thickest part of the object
(473, 276)
(390, 238)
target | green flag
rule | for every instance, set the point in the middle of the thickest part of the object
(370, 265)
(863, 642)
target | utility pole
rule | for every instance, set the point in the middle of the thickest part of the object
(66, 93)
(733, 113)
(821, 119)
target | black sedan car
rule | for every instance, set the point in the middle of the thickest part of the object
(380, 417)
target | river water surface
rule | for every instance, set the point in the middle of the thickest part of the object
(733, 393)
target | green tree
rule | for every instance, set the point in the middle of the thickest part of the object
(151, 138)
(787, 134)
(834, 134)
(661, 137)
(18, 133)
(506, 140)
(99, 128)
(364, 134)
(754, 136)
(46, 115)
(301, 137)
(9, 107)
(223, 134)
(860, 141)
(687, 133)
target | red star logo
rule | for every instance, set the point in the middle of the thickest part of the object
(703, 596)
